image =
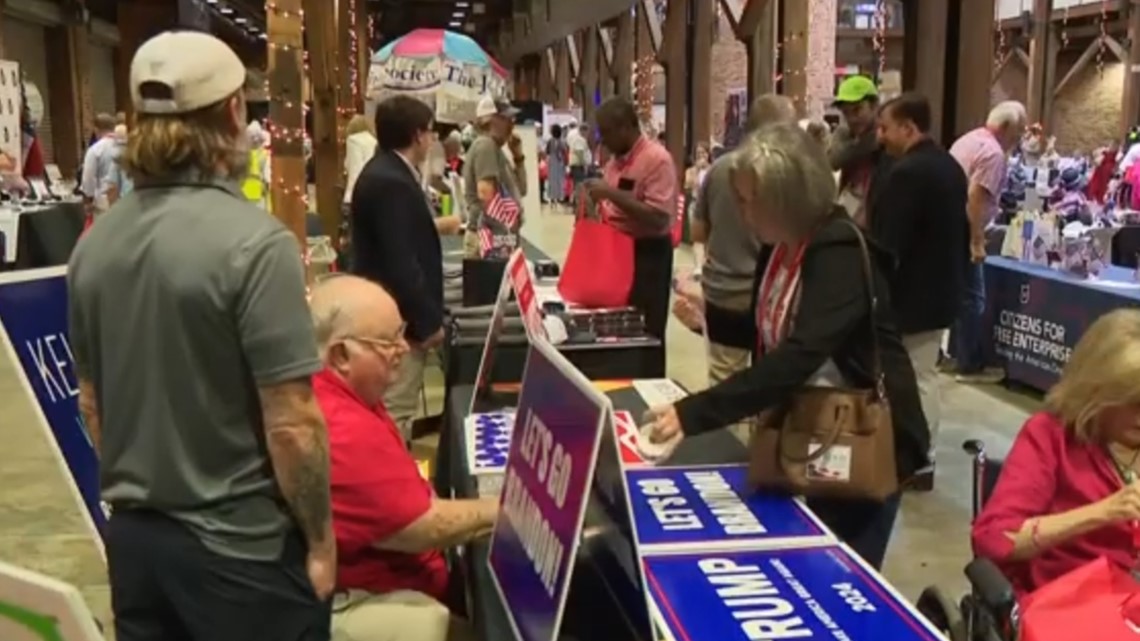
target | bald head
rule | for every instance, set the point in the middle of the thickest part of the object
(344, 306)
(770, 109)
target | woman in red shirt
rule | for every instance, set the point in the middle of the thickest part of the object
(1069, 491)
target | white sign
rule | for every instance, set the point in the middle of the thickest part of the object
(34, 607)
(11, 106)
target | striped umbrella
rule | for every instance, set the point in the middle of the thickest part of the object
(449, 71)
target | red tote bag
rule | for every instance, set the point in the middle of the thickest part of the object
(599, 265)
(1095, 601)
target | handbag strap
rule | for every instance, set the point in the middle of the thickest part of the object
(879, 388)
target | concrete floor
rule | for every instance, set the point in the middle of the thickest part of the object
(42, 529)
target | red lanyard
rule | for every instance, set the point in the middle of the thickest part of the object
(774, 314)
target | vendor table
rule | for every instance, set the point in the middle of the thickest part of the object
(1038, 314)
(44, 235)
(592, 611)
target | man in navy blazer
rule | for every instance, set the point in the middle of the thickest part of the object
(396, 244)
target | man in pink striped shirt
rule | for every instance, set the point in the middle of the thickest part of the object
(640, 180)
(982, 153)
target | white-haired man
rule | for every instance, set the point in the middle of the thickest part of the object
(983, 154)
(392, 579)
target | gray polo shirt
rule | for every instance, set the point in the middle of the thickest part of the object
(732, 248)
(485, 159)
(182, 301)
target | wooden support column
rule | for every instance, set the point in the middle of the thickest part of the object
(546, 77)
(924, 57)
(1038, 59)
(321, 35)
(809, 54)
(562, 76)
(285, 32)
(674, 60)
(1050, 78)
(363, 60)
(69, 86)
(975, 58)
(1130, 108)
(606, 63)
(588, 72)
(753, 23)
(624, 49)
(704, 19)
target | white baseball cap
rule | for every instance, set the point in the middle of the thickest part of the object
(196, 69)
(488, 106)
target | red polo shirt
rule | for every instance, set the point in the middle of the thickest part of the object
(377, 491)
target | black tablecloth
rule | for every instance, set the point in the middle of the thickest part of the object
(1126, 246)
(47, 235)
(591, 611)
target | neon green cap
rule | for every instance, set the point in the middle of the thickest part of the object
(855, 89)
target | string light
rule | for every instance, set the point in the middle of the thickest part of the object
(1065, 28)
(644, 87)
(786, 75)
(353, 54)
(1002, 52)
(879, 42)
(1102, 22)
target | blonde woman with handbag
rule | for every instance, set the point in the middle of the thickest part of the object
(840, 419)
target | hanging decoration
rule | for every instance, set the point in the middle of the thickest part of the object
(1002, 50)
(1065, 28)
(879, 42)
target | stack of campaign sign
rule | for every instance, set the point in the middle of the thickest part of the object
(689, 553)
(488, 438)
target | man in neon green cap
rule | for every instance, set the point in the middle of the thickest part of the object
(854, 151)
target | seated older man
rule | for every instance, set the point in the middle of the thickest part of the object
(390, 528)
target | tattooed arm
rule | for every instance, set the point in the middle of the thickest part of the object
(446, 523)
(89, 410)
(298, 447)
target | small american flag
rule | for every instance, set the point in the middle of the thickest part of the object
(504, 210)
(486, 241)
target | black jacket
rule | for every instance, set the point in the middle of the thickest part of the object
(395, 243)
(833, 321)
(918, 213)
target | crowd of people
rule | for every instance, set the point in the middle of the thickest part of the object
(253, 436)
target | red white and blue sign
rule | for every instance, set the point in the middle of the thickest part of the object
(808, 593)
(554, 448)
(710, 507)
(33, 317)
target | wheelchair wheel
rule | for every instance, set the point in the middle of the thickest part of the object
(943, 613)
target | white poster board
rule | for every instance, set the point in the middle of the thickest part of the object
(11, 106)
(34, 607)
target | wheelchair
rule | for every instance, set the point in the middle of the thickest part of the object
(988, 611)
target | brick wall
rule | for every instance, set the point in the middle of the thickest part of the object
(729, 72)
(1087, 113)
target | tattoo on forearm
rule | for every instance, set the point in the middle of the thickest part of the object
(89, 410)
(298, 446)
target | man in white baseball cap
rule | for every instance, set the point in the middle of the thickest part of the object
(194, 351)
(495, 124)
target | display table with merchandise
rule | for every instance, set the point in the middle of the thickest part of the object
(607, 357)
(40, 235)
(592, 611)
(1036, 314)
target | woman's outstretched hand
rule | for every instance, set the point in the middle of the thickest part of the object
(661, 433)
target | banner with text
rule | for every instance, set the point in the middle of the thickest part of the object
(554, 447)
(812, 593)
(1036, 315)
(711, 507)
(33, 315)
(451, 88)
(522, 282)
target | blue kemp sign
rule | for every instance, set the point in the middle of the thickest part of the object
(554, 447)
(711, 507)
(809, 593)
(33, 316)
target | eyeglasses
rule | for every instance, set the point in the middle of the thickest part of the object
(382, 342)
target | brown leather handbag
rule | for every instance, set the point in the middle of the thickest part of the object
(831, 442)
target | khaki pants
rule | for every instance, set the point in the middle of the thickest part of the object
(471, 244)
(724, 361)
(923, 349)
(403, 615)
(404, 395)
